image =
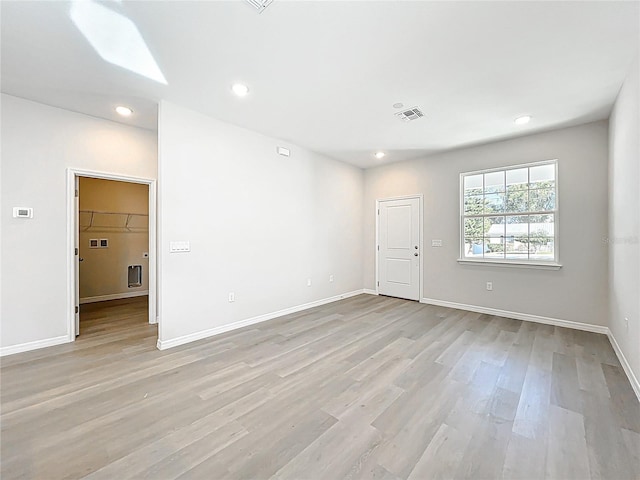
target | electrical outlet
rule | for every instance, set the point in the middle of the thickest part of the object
(331, 278)
(308, 282)
(490, 286)
(232, 297)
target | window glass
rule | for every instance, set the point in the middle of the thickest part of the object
(510, 214)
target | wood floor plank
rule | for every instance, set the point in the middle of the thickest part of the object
(406, 447)
(532, 416)
(442, 456)
(515, 366)
(566, 440)
(499, 351)
(399, 413)
(369, 470)
(327, 458)
(632, 442)
(590, 376)
(485, 454)
(394, 350)
(292, 438)
(456, 349)
(624, 403)
(525, 458)
(565, 387)
(608, 455)
(151, 459)
(369, 387)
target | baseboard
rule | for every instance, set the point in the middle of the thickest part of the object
(26, 347)
(625, 364)
(587, 327)
(192, 337)
(113, 296)
(370, 292)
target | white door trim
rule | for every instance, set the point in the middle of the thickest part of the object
(420, 198)
(72, 173)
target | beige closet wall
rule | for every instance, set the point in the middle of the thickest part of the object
(103, 272)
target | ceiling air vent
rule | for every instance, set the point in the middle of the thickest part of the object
(410, 114)
(260, 5)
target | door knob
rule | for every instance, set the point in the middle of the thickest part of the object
(416, 247)
(415, 254)
(81, 259)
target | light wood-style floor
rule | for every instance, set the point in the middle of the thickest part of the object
(368, 387)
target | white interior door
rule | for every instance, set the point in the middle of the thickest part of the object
(399, 248)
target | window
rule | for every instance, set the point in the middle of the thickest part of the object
(509, 215)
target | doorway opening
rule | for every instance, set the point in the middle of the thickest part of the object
(112, 238)
(399, 247)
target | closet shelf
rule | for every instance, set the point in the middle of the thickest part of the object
(116, 222)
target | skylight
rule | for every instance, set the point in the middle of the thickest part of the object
(115, 38)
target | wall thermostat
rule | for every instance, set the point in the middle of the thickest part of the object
(22, 212)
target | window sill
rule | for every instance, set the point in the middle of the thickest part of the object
(512, 264)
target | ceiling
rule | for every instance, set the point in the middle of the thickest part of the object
(325, 74)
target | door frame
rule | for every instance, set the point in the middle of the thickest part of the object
(420, 198)
(72, 219)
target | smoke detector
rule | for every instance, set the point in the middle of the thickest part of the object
(260, 5)
(410, 114)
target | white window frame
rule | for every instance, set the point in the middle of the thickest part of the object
(535, 263)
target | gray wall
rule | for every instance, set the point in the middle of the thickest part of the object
(624, 219)
(577, 292)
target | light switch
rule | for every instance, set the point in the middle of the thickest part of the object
(436, 243)
(22, 212)
(179, 247)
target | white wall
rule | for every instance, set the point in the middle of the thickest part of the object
(38, 144)
(259, 224)
(624, 219)
(577, 292)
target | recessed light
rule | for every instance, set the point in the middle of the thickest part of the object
(379, 155)
(522, 120)
(240, 89)
(124, 111)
